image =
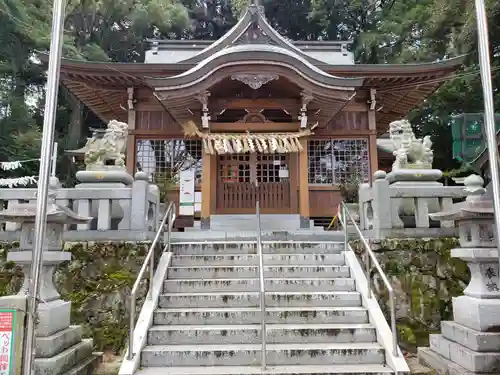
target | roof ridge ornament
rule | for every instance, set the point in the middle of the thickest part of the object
(255, 6)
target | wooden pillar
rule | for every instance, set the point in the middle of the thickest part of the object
(372, 146)
(294, 182)
(207, 189)
(131, 145)
(304, 209)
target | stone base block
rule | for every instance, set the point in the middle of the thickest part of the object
(478, 314)
(64, 361)
(107, 175)
(415, 175)
(441, 365)
(486, 362)
(471, 339)
(305, 222)
(205, 223)
(88, 366)
(53, 317)
(49, 257)
(49, 346)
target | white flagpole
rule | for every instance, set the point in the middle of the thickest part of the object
(489, 110)
(43, 183)
(54, 160)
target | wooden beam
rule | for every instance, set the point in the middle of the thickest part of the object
(254, 127)
(304, 209)
(131, 144)
(92, 84)
(373, 152)
(207, 193)
(372, 120)
(218, 105)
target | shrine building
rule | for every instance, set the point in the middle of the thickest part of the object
(255, 115)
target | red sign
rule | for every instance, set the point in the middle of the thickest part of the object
(6, 321)
(6, 336)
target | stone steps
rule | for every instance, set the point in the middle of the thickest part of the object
(249, 222)
(251, 299)
(220, 260)
(302, 235)
(476, 362)
(49, 346)
(251, 315)
(251, 334)
(248, 272)
(87, 366)
(66, 360)
(271, 285)
(249, 354)
(208, 319)
(332, 369)
(250, 247)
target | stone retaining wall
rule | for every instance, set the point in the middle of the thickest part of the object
(97, 282)
(425, 279)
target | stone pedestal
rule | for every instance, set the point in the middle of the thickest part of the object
(470, 344)
(411, 175)
(59, 346)
(405, 211)
(107, 177)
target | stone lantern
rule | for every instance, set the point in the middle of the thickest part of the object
(471, 342)
(59, 346)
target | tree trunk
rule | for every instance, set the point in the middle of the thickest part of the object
(76, 123)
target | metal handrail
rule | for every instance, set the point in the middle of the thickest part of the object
(169, 216)
(369, 255)
(263, 331)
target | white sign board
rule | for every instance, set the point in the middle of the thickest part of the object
(283, 172)
(186, 192)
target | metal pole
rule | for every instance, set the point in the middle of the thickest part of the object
(489, 109)
(43, 183)
(54, 160)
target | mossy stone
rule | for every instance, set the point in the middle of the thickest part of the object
(425, 279)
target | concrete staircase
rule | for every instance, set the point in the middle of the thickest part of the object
(208, 316)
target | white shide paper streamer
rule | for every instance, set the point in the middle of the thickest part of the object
(10, 165)
(18, 181)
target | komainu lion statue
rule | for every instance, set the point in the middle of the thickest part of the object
(110, 147)
(410, 152)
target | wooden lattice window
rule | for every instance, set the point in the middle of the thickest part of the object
(234, 168)
(165, 159)
(268, 167)
(336, 161)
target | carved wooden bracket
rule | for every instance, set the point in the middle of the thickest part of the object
(254, 117)
(131, 101)
(255, 81)
(205, 117)
(373, 99)
(306, 99)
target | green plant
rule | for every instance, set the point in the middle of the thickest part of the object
(349, 190)
(165, 184)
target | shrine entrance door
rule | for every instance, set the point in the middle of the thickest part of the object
(244, 178)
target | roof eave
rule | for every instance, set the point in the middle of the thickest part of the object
(360, 69)
(427, 67)
(271, 56)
